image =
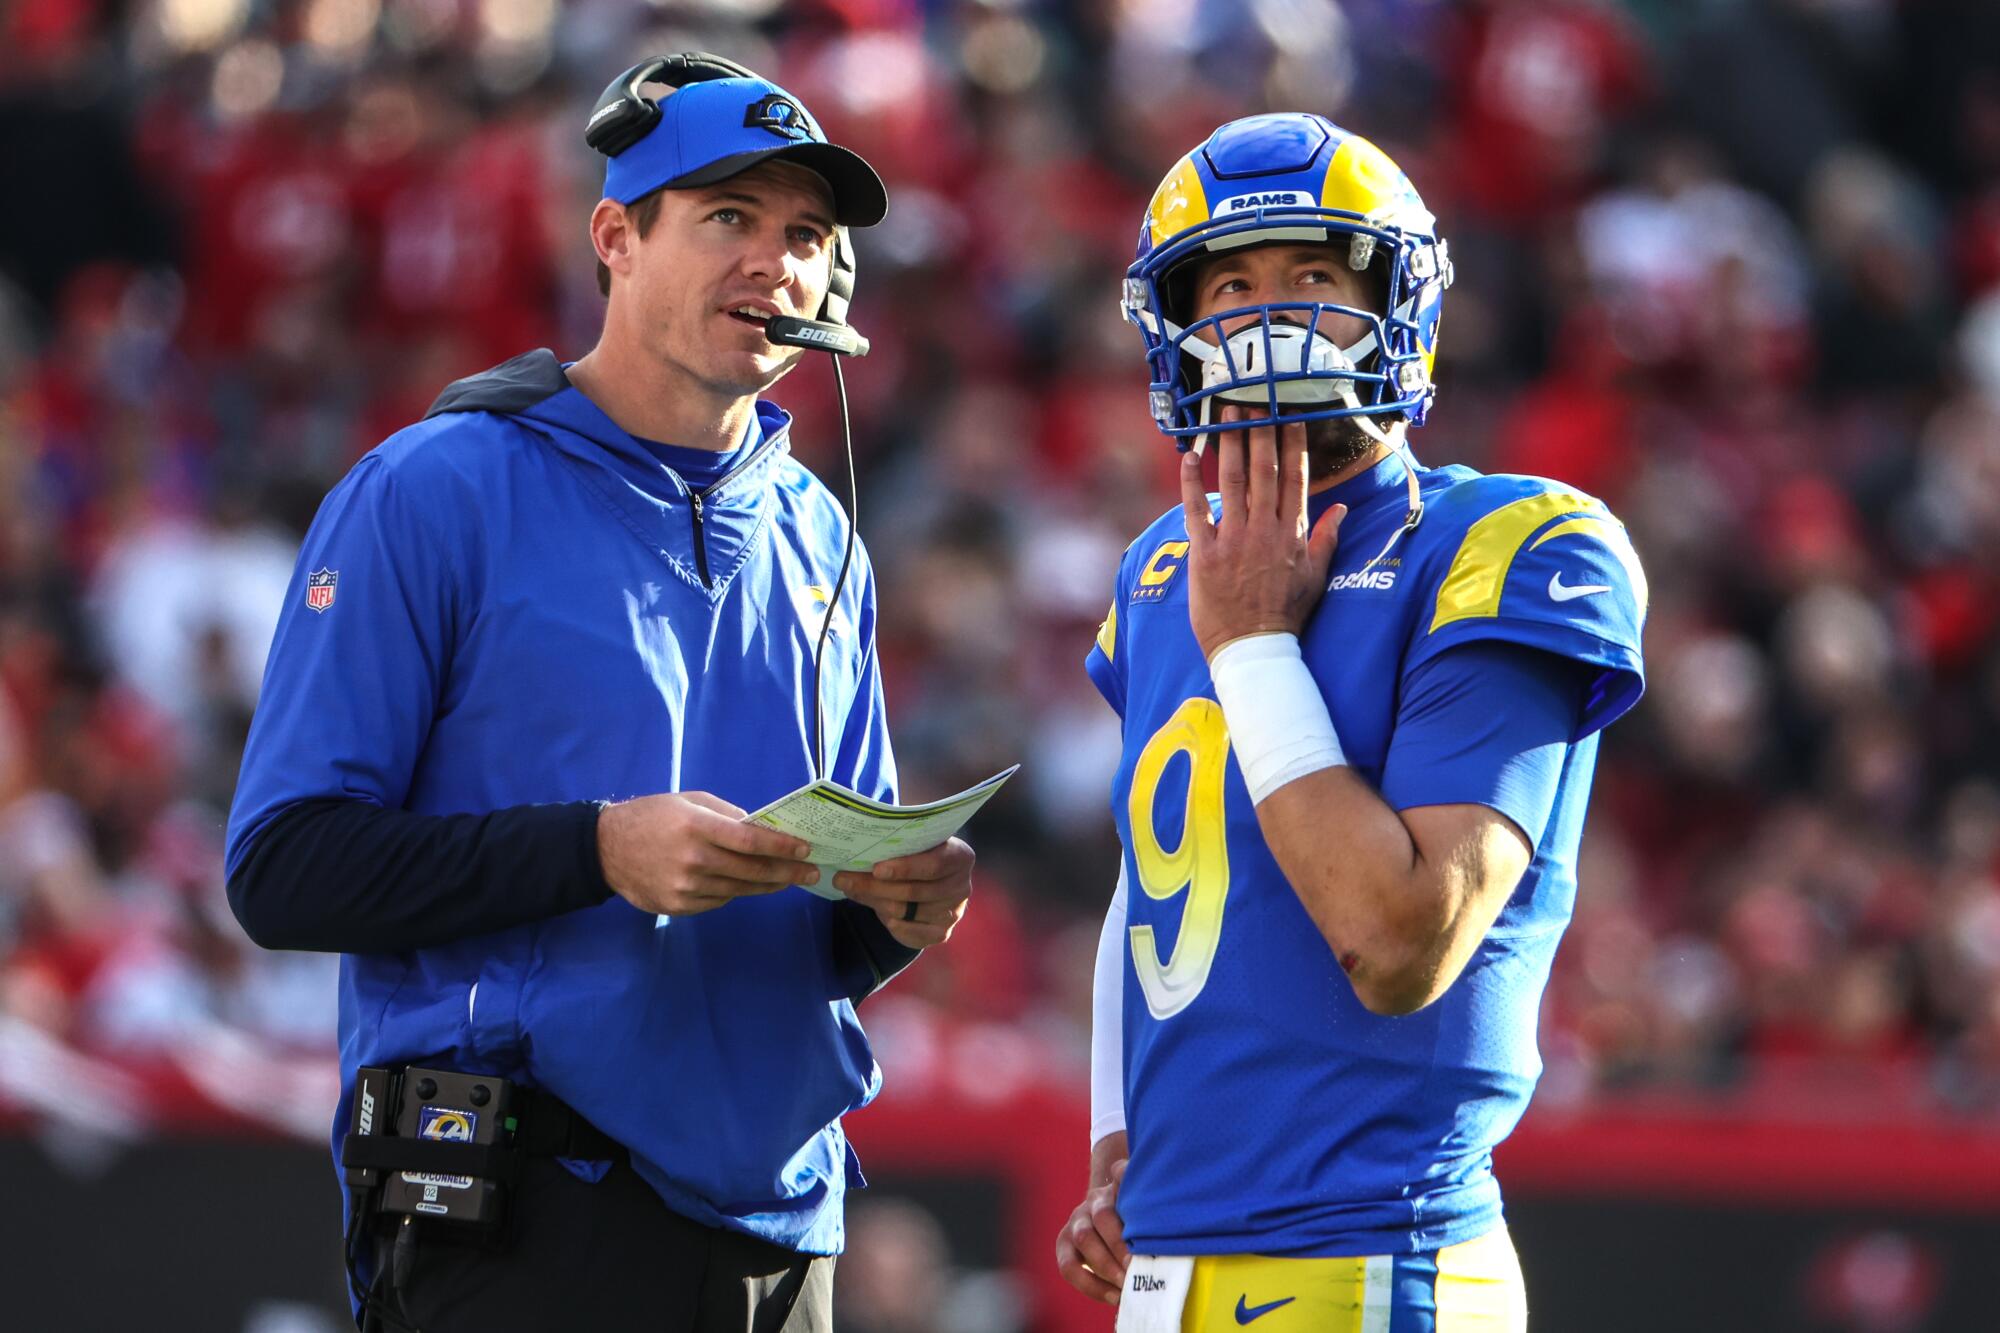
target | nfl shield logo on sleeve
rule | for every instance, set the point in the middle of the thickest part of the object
(319, 588)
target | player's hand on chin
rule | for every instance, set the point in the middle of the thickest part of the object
(919, 897)
(1258, 571)
(1090, 1249)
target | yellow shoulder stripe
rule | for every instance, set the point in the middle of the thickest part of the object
(1107, 634)
(1612, 534)
(1472, 587)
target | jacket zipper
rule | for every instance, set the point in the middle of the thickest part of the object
(694, 498)
(700, 545)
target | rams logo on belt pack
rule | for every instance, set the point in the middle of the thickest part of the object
(451, 1125)
(439, 1122)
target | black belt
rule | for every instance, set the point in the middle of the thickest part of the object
(545, 1126)
(549, 1128)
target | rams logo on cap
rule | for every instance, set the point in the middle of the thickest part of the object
(781, 116)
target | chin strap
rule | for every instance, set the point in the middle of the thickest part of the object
(1395, 438)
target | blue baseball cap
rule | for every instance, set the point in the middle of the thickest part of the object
(711, 130)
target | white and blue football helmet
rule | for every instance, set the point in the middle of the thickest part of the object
(1289, 177)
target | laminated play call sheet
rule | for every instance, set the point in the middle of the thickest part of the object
(849, 831)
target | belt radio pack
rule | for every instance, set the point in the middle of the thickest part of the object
(424, 1145)
(434, 1150)
(431, 1143)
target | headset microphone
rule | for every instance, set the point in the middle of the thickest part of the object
(815, 334)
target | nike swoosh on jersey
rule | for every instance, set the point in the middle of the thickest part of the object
(1246, 1313)
(1560, 592)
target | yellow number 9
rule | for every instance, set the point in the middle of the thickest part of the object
(1199, 865)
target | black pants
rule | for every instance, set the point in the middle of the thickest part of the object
(605, 1257)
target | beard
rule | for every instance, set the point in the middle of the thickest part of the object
(1335, 444)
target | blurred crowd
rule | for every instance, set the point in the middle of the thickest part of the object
(1732, 265)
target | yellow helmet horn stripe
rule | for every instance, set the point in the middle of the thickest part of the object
(1179, 203)
(1361, 179)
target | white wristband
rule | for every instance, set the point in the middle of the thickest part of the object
(1107, 1021)
(1278, 723)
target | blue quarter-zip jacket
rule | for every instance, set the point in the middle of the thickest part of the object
(501, 616)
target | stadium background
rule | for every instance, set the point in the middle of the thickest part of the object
(1733, 265)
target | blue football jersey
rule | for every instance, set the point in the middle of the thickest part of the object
(1268, 1110)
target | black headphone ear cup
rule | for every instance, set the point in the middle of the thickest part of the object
(622, 117)
(626, 129)
(840, 280)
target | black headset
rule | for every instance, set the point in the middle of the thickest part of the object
(623, 116)
(620, 119)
